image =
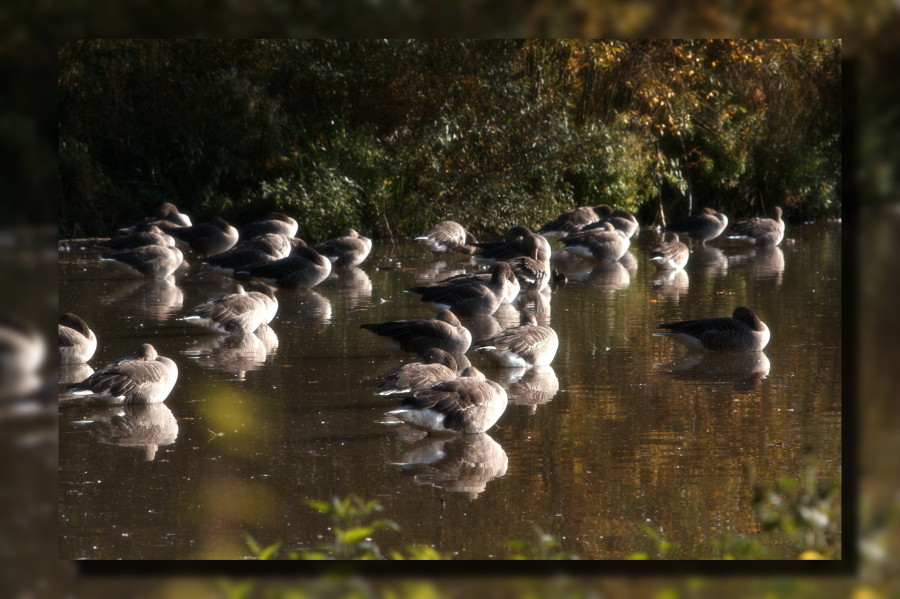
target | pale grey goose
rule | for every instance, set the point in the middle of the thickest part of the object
(166, 216)
(448, 236)
(350, 249)
(528, 344)
(305, 267)
(759, 231)
(77, 342)
(154, 261)
(472, 295)
(704, 226)
(143, 235)
(468, 404)
(141, 379)
(435, 366)
(670, 253)
(207, 239)
(237, 312)
(274, 222)
(22, 347)
(743, 331)
(604, 242)
(444, 331)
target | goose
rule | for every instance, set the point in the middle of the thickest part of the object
(743, 331)
(142, 379)
(448, 236)
(528, 344)
(472, 295)
(570, 222)
(604, 242)
(704, 226)
(167, 216)
(154, 261)
(468, 404)
(670, 254)
(275, 222)
(305, 267)
(274, 244)
(517, 241)
(265, 295)
(532, 274)
(77, 342)
(207, 239)
(237, 312)
(348, 250)
(444, 331)
(435, 366)
(759, 231)
(251, 252)
(620, 219)
(22, 347)
(143, 235)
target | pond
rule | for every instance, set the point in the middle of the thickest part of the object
(623, 431)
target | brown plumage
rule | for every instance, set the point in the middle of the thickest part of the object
(77, 341)
(350, 249)
(154, 261)
(704, 226)
(444, 331)
(528, 344)
(743, 331)
(435, 366)
(141, 379)
(670, 253)
(759, 231)
(207, 239)
(237, 312)
(472, 295)
(305, 267)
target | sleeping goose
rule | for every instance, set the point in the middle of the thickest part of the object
(141, 379)
(604, 243)
(468, 404)
(472, 295)
(207, 239)
(670, 254)
(517, 241)
(77, 342)
(570, 222)
(444, 331)
(350, 249)
(251, 252)
(447, 236)
(759, 231)
(743, 331)
(167, 216)
(528, 344)
(154, 261)
(704, 226)
(435, 366)
(275, 222)
(237, 312)
(143, 235)
(305, 267)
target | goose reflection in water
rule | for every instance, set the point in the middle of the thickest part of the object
(438, 270)
(304, 306)
(351, 281)
(235, 354)
(708, 262)
(761, 263)
(145, 427)
(745, 370)
(158, 298)
(538, 302)
(459, 464)
(74, 373)
(529, 387)
(671, 284)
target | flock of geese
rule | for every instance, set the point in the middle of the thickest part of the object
(434, 395)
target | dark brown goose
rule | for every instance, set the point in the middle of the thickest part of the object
(533, 275)
(435, 366)
(468, 404)
(743, 331)
(472, 295)
(237, 312)
(759, 231)
(570, 222)
(207, 239)
(350, 249)
(448, 236)
(528, 344)
(143, 235)
(444, 332)
(141, 379)
(704, 226)
(518, 241)
(604, 242)
(305, 267)
(670, 254)
(154, 261)
(77, 342)
(166, 216)
(620, 219)
(275, 222)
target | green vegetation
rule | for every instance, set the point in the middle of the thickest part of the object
(390, 135)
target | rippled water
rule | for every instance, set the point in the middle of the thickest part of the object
(624, 430)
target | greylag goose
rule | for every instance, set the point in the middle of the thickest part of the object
(743, 331)
(620, 219)
(141, 379)
(237, 312)
(570, 222)
(275, 222)
(472, 295)
(444, 331)
(77, 342)
(154, 261)
(759, 231)
(305, 267)
(704, 226)
(435, 366)
(604, 242)
(143, 235)
(251, 252)
(528, 344)
(518, 241)
(468, 404)
(350, 249)
(167, 216)
(448, 236)
(207, 239)
(670, 254)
